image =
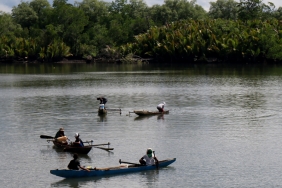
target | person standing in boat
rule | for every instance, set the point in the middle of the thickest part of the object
(149, 158)
(60, 136)
(102, 100)
(161, 106)
(75, 164)
(78, 141)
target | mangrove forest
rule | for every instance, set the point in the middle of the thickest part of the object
(122, 31)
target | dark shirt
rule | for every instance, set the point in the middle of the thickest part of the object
(74, 164)
(77, 139)
(59, 134)
(103, 100)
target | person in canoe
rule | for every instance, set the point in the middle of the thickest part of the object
(60, 136)
(102, 100)
(78, 141)
(75, 164)
(149, 158)
(161, 106)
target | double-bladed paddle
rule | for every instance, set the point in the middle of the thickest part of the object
(46, 137)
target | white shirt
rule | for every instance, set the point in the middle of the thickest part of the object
(161, 105)
(149, 161)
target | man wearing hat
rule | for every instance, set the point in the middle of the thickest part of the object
(60, 136)
(78, 141)
(149, 159)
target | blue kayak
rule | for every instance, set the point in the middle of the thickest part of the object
(123, 168)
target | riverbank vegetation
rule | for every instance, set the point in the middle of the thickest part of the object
(179, 31)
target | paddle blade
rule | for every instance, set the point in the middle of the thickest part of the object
(46, 137)
(107, 149)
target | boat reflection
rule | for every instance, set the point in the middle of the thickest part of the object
(81, 182)
(151, 176)
(84, 156)
(159, 117)
(102, 118)
(75, 183)
(142, 118)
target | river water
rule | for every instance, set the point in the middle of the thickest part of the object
(224, 126)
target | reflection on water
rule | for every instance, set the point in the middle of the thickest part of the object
(76, 182)
(102, 118)
(140, 118)
(151, 177)
(158, 117)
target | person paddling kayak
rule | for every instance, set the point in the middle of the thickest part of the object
(149, 158)
(75, 164)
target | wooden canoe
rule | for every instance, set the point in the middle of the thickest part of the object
(73, 149)
(146, 112)
(123, 168)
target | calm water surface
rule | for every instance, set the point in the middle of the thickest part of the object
(224, 125)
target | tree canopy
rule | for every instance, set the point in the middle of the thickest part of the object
(92, 28)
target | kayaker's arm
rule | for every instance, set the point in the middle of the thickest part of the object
(142, 161)
(84, 168)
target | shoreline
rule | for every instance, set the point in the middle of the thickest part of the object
(155, 61)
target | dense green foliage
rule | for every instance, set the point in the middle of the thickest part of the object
(177, 30)
(225, 9)
(224, 40)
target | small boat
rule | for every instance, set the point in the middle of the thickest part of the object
(146, 112)
(102, 110)
(123, 168)
(74, 149)
(67, 146)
